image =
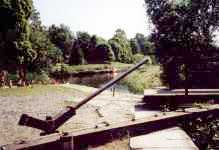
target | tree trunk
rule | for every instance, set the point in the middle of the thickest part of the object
(22, 74)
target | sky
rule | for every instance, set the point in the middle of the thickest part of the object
(100, 17)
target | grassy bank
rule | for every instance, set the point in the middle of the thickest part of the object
(33, 90)
(146, 77)
(87, 68)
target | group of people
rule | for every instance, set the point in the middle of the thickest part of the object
(5, 81)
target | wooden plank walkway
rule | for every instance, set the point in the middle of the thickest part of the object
(174, 92)
(169, 139)
(177, 97)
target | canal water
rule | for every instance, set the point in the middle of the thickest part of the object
(93, 80)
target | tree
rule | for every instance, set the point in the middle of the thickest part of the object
(35, 20)
(141, 44)
(62, 37)
(47, 52)
(183, 33)
(134, 46)
(90, 49)
(121, 47)
(15, 34)
(7, 34)
(103, 52)
(80, 48)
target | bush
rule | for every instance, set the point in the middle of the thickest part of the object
(42, 78)
(66, 69)
(13, 77)
(30, 76)
(103, 54)
(137, 57)
(147, 77)
(121, 50)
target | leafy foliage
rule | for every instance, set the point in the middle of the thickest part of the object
(47, 52)
(121, 47)
(137, 58)
(203, 130)
(141, 44)
(27, 47)
(23, 11)
(90, 49)
(104, 53)
(62, 37)
(183, 34)
(146, 77)
(14, 32)
(80, 48)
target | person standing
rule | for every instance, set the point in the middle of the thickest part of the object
(114, 74)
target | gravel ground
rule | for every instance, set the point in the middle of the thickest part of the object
(103, 108)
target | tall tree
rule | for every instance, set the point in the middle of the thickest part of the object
(101, 51)
(7, 34)
(141, 44)
(15, 31)
(47, 52)
(90, 49)
(80, 48)
(62, 37)
(121, 47)
(134, 46)
(183, 33)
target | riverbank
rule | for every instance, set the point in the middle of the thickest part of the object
(95, 75)
(43, 100)
(148, 76)
(89, 68)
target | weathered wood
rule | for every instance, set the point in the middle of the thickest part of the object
(105, 134)
(165, 91)
(67, 142)
(177, 97)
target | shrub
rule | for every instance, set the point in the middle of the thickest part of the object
(13, 77)
(42, 78)
(138, 57)
(147, 77)
(30, 76)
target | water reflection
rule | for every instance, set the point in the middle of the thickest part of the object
(93, 80)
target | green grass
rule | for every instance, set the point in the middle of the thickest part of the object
(90, 67)
(121, 66)
(144, 78)
(32, 91)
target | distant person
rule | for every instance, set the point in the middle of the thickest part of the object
(114, 74)
(3, 78)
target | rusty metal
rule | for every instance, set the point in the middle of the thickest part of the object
(50, 126)
(79, 139)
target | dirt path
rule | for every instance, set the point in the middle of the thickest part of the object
(103, 108)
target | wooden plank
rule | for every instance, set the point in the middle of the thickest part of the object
(177, 97)
(166, 92)
(181, 94)
(137, 127)
(67, 142)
